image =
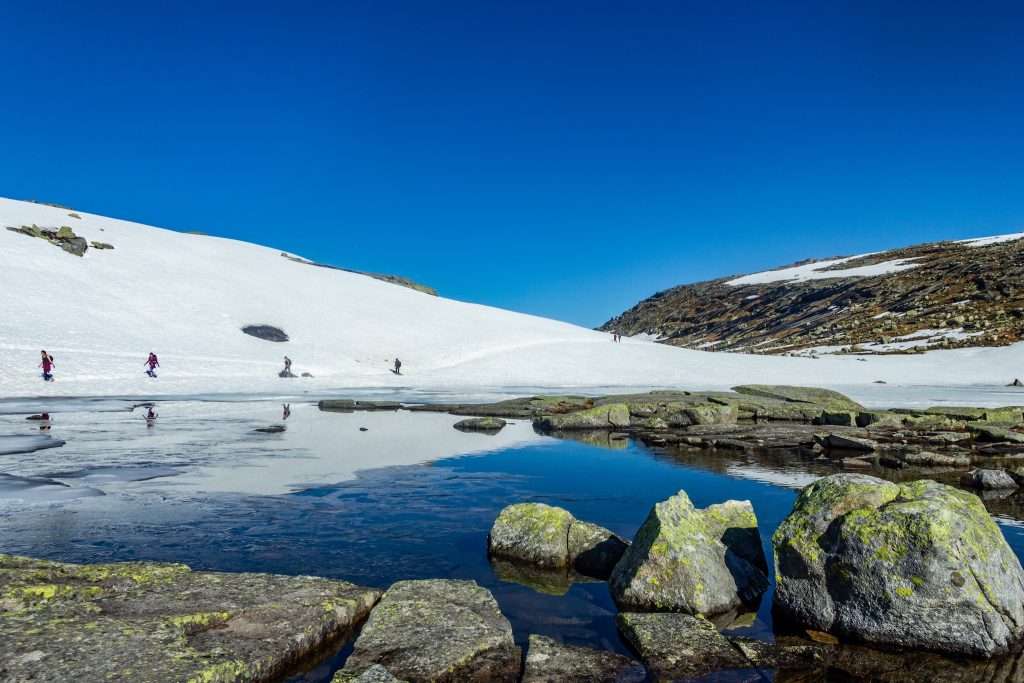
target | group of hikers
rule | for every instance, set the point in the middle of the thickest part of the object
(47, 364)
(152, 363)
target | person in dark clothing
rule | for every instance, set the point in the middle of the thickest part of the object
(398, 367)
(47, 366)
(287, 411)
(153, 363)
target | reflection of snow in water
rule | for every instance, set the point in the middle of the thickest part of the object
(212, 447)
(791, 479)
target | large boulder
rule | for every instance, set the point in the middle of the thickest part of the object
(442, 631)
(611, 416)
(533, 533)
(688, 560)
(993, 434)
(550, 537)
(916, 565)
(148, 621)
(548, 661)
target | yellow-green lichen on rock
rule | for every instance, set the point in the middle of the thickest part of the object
(533, 533)
(688, 560)
(917, 565)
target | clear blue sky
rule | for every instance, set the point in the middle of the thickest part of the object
(566, 159)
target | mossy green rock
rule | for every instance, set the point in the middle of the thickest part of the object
(610, 416)
(688, 560)
(916, 565)
(993, 434)
(154, 622)
(594, 550)
(437, 630)
(532, 533)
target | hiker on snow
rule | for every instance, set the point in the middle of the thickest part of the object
(398, 367)
(47, 366)
(153, 362)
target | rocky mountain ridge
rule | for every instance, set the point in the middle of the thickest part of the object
(907, 300)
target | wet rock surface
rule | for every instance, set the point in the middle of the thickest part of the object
(988, 480)
(918, 565)
(548, 661)
(144, 621)
(437, 630)
(694, 561)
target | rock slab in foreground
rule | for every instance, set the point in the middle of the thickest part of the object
(548, 661)
(681, 646)
(439, 631)
(695, 561)
(919, 565)
(154, 622)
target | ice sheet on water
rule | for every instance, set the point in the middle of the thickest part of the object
(17, 443)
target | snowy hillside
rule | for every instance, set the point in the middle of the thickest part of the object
(187, 296)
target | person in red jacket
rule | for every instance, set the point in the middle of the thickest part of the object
(47, 366)
(153, 362)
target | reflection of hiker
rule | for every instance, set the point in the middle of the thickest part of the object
(287, 411)
(398, 367)
(47, 366)
(153, 362)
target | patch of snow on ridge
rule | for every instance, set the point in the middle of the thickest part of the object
(995, 239)
(816, 271)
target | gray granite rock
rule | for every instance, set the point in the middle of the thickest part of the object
(548, 661)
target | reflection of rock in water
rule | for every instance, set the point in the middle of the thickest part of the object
(600, 438)
(548, 581)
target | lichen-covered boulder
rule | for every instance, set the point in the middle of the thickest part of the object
(594, 550)
(374, 674)
(534, 533)
(481, 424)
(826, 398)
(915, 565)
(437, 630)
(988, 480)
(688, 560)
(994, 434)
(548, 661)
(610, 416)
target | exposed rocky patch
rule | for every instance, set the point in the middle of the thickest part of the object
(63, 237)
(956, 295)
(391, 279)
(266, 333)
(488, 425)
(145, 621)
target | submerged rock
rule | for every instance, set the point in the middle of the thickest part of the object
(695, 561)
(916, 565)
(147, 621)
(480, 424)
(437, 630)
(548, 661)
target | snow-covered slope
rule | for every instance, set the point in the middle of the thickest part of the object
(187, 296)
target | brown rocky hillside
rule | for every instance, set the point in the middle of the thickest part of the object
(938, 295)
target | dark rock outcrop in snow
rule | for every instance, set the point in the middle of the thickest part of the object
(266, 333)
